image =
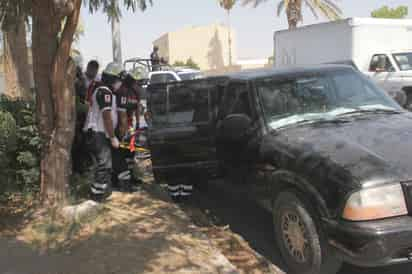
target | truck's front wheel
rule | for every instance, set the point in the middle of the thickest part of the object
(301, 243)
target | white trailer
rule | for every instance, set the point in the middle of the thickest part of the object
(380, 48)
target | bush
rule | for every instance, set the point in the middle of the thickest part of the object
(190, 63)
(8, 132)
(20, 146)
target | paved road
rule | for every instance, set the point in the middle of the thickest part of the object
(255, 226)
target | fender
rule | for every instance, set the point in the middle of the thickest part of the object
(290, 179)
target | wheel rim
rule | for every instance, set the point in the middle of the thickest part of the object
(294, 236)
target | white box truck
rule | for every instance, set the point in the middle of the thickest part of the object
(380, 48)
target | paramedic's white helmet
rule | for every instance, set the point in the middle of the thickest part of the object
(113, 69)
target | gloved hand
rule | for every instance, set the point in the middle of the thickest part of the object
(115, 142)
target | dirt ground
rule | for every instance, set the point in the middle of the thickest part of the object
(134, 233)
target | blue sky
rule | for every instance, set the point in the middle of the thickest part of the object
(254, 26)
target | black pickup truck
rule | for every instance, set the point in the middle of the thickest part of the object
(324, 149)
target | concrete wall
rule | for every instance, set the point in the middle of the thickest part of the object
(208, 46)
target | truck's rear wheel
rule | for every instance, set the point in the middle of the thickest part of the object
(301, 243)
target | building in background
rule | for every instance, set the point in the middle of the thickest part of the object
(208, 46)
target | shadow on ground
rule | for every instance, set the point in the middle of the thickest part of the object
(135, 234)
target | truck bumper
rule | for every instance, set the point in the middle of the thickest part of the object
(374, 243)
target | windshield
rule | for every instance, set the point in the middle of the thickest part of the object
(322, 96)
(189, 75)
(404, 60)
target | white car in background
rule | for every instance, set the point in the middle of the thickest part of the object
(174, 75)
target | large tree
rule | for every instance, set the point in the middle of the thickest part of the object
(228, 6)
(391, 13)
(54, 75)
(293, 8)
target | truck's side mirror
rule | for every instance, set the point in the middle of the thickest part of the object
(235, 127)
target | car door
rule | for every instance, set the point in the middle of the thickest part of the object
(234, 156)
(381, 70)
(181, 135)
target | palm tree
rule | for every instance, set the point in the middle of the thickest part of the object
(228, 5)
(327, 8)
(113, 11)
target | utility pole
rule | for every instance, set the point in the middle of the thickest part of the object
(116, 39)
(230, 37)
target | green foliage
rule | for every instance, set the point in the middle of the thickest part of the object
(227, 4)
(391, 13)
(328, 8)
(179, 64)
(20, 166)
(112, 8)
(189, 64)
(8, 129)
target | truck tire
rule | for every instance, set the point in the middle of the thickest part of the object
(302, 244)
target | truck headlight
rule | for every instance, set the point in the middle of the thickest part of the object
(376, 203)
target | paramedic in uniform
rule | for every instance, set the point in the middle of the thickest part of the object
(105, 112)
(122, 173)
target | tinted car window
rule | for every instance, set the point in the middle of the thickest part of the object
(230, 98)
(181, 102)
(184, 104)
(242, 105)
(158, 105)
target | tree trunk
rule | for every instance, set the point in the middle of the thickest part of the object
(229, 37)
(294, 13)
(54, 78)
(116, 41)
(16, 61)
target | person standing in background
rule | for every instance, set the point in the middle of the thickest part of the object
(91, 78)
(155, 59)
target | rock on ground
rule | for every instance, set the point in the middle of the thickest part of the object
(85, 210)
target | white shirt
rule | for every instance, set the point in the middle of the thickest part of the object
(94, 120)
